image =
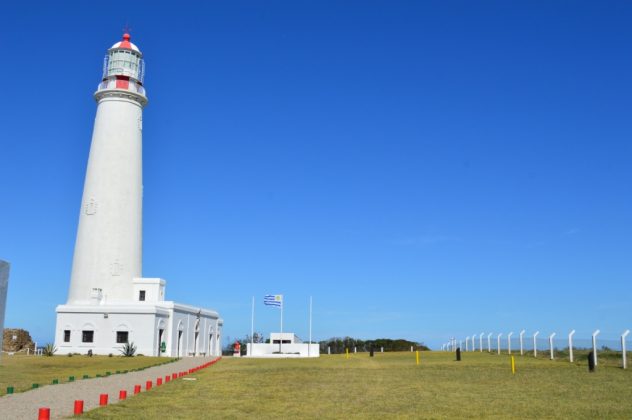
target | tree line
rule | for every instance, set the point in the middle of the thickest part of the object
(339, 344)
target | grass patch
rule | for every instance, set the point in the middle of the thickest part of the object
(386, 386)
(21, 372)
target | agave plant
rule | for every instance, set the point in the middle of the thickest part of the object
(49, 349)
(128, 350)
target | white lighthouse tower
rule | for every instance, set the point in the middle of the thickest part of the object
(109, 303)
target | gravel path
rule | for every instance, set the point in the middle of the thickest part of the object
(61, 398)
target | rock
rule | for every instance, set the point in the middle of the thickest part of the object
(22, 340)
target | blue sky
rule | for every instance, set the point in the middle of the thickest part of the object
(422, 169)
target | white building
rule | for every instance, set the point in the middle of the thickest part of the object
(109, 302)
(283, 345)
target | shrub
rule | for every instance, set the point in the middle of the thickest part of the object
(49, 349)
(128, 350)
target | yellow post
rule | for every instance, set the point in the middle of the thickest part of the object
(513, 365)
(417, 356)
(347, 353)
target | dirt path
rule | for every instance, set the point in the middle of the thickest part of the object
(61, 398)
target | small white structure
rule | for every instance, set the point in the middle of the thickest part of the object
(109, 302)
(283, 345)
(4, 285)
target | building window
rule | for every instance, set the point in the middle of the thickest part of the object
(66, 336)
(122, 336)
(87, 336)
(141, 295)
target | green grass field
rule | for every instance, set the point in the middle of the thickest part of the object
(21, 372)
(386, 386)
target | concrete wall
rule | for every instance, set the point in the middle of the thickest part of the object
(4, 285)
(268, 350)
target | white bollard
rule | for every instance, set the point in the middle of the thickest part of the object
(355, 349)
(625, 358)
(535, 344)
(489, 342)
(509, 342)
(411, 349)
(499, 342)
(381, 349)
(570, 346)
(551, 345)
(521, 342)
(328, 349)
(594, 345)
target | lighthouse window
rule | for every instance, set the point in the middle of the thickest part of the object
(66, 336)
(122, 336)
(87, 336)
(141, 295)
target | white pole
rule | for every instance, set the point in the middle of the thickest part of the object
(551, 346)
(480, 344)
(499, 342)
(594, 344)
(467, 340)
(474, 342)
(509, 342)
(521, 342)
(535, 344)
(625, 358)
(328, 349)
(570, 346)
(309, 346)
(252, 327)
(460, 344)
(489, 342)
(281, 338)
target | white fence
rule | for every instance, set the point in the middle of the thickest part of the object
(523, 344)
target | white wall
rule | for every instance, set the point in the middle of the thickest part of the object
(268, 350)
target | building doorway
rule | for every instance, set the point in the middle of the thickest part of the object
(179, 344)
(160, 332)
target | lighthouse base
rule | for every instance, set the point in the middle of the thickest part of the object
(156, 329)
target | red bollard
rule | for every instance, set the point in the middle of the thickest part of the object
(158, 381)
(167, 378)
(136, 389)
(44, 414)
(103, 399)
(147, 385)
(174, 376)
(78, 407)
(122, 394)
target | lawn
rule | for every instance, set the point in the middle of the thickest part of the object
(386, 386)
(21, 371)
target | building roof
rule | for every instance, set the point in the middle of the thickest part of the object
(125, 43)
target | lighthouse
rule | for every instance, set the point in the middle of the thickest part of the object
(109, 302)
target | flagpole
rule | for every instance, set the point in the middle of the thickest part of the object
(252, 327)
(281, 339)
(309, 346)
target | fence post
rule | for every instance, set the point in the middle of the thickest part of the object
(594, 343)
(509, 342)
(521, 347)
(489, 342)
(499, 342)
(460, 344)
(467, 342)
(625, 358)
(551, 345)
(535, 344)
(570, 345)
(481, 342)
(474, 342)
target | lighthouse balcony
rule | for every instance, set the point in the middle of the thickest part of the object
(123, 83)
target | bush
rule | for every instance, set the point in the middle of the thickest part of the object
(128, 350)
(49, 349)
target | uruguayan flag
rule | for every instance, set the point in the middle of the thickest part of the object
(273, 300)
